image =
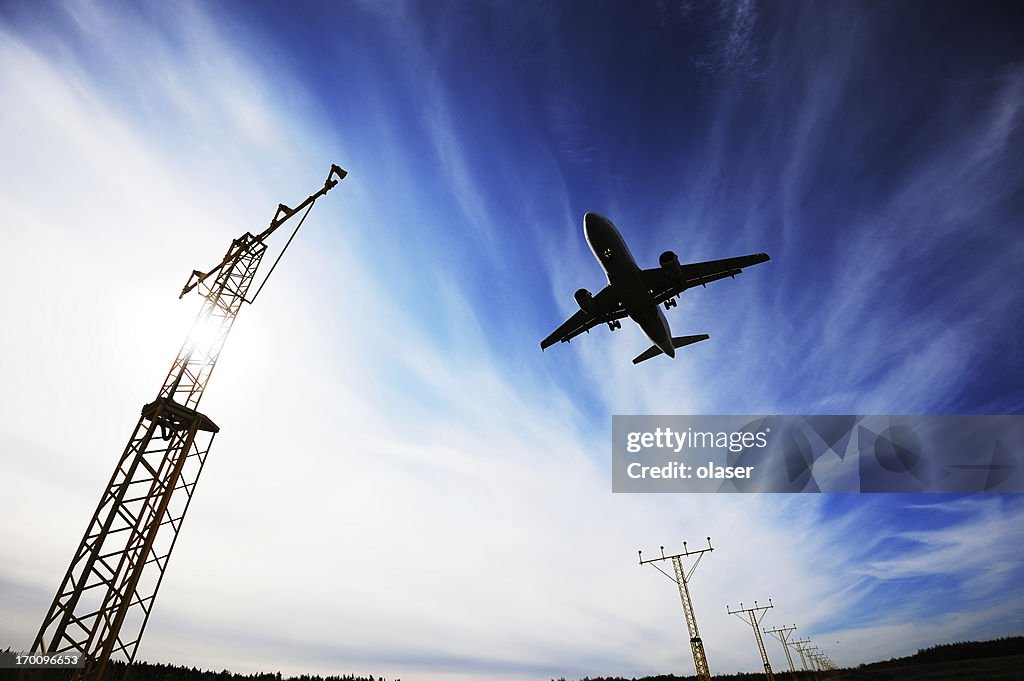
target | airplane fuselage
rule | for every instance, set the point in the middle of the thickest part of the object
(625, 280)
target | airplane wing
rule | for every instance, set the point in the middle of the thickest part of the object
(606, 309)
(663, 286)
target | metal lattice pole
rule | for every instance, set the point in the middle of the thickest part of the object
(799, 644)
(812, 655)
(682, 578)
(104, 602)
(753, 617)
(782, 634)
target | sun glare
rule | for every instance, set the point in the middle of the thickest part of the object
(205, 332)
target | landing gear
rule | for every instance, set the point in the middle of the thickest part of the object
(614, 324)
(670, 303)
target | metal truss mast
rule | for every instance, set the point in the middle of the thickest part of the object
(782, 634)
(681, 578)
(753, 617)
(104, 601)
(800, 645)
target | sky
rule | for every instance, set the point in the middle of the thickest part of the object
(404, 485)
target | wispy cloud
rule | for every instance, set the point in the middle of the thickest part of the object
(976, 547)
(901, 306)
(731, 48)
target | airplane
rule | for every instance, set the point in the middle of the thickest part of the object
(638, 294)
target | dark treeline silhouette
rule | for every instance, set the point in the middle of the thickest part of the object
(963, 650)
(889, 670)
(740, 676)
(144, 671)
(670, 677)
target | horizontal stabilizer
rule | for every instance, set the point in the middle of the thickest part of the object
(677, 342)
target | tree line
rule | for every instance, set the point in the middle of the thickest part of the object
(145, 671)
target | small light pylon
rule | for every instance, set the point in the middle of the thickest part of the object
(682, 579)
(782, 634)
(753, 617)
(812, 654)
(799, 645)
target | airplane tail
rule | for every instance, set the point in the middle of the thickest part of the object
(677, 342)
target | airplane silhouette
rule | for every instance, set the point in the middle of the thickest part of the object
(636, 293)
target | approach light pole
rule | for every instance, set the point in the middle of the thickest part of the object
(782, 634)
(812, 655)
(799, 645)
(682, 579)
(106, 597)
(753, 617)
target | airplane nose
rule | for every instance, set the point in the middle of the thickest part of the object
(592, 220)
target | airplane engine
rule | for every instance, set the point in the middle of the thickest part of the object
(669, 262)
(585, 301)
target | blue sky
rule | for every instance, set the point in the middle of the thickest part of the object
(404, 484)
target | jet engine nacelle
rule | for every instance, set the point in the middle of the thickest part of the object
(669, 262)
(585, 301)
